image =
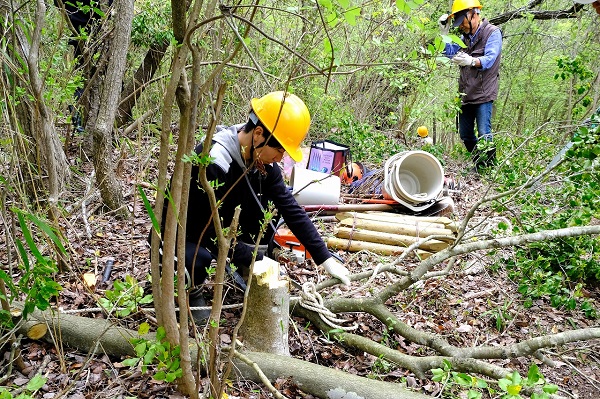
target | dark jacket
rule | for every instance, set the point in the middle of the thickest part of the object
(480, 86)
(226, 169)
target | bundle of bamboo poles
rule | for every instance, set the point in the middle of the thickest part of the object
(390, 233)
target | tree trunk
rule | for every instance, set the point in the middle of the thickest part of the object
(102, 129)
(134, 89)
(35, 118)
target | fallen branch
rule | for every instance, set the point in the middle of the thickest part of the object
(83, 334)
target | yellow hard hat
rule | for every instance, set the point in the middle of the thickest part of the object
(460, 5)
(285, 115)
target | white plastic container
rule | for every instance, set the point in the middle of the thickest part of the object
(413, 178)
(315, 188)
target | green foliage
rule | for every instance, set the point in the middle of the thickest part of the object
(382, 366)
(125, 297)
(452, 380)
(34, 385)
(500, 315)
(36, 282)
(152, 24)
(150, 210)
(157, 355)
(559, 268)
(367, 145)
(583, 78)
(512, 385)
(509, 387)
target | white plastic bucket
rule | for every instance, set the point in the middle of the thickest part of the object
(315, 188)
(413, 177)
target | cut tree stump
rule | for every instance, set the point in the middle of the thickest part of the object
(265, 327)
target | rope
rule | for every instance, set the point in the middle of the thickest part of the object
(93, 310)
(310, 299)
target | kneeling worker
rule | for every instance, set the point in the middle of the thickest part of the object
(277, 123)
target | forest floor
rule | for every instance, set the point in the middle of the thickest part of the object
(482, 307)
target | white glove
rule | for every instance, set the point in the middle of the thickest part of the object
(337, 270)
(444, 24)
(462, 59)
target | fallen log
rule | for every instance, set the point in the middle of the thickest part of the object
(388, 238)
(396, 228)
(86, 335)
(381, 249)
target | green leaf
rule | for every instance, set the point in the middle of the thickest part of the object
(503, 384)
(327, 4)
(23, 254)
(514, 389)
(160, 376)
(550, 388)
(36, 383)
(171, 377)
(140, 348)
(150, 211)
(48, 230)
(144, 328)
(131, 362)
(462, 379)
(29, 239)
(473, 394)
(351, 15)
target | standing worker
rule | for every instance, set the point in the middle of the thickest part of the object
(479, 66)
(244, 164)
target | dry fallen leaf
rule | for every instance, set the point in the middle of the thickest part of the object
(90, 279)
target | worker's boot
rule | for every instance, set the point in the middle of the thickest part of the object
(197, 300)
(490, 157)
(471, 147)
(486, 158)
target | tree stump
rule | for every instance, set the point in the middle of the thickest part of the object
(265, 328)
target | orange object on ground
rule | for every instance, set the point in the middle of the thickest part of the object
(352, 173)
(286, 239)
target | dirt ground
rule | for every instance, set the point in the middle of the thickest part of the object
(465, 308)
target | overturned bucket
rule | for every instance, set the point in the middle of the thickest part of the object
(414, 179)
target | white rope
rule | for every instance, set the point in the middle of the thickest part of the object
(310, 299)
(95, 310)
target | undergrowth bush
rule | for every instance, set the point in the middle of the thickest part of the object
(559, 269)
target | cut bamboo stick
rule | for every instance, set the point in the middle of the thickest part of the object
(449, 223)
(396, 228)
(388, 238)
(381, 249)
(389, 217)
